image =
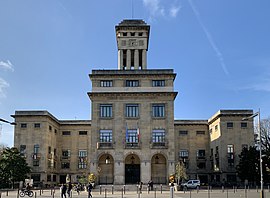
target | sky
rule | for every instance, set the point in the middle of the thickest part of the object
(220, 51)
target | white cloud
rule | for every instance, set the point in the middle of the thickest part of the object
(6, 65)
(174, 11)
(160, 8)
(3, 84)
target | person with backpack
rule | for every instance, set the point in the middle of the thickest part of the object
(89, 189)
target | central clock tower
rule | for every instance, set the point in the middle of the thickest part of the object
(132, 43)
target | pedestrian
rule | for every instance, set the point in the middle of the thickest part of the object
(63, 190)
(140, 187)
(69, 188)
(89, 189)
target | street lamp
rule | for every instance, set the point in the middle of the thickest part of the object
(260, 147)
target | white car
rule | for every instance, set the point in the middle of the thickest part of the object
(191, 184)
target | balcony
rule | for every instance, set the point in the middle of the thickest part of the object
(159, 145)
(132, 145)
(104, 145)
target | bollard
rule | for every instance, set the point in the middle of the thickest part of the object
(137, 189)
(190, 193)
(51, 191)
(35, 194)
(233, 189)
(245, 192)
(227, 193)
(105, 193)
(139, 194)
(122, 192)
(155, 191)
(100, 189)
(171, 192)
(209, 192)
(160, 188)
(71, 193)
(148, 189)
(18, 193)
(39, 192)
(257, 188)
(112, 189)
(223, 189)
(198, 189)
(0, 194)
(7, 192)
(53, 195)
(268, 188)
(124, 189)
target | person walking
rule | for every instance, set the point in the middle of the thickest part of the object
(69, 188)
(63, 190)
(89, 189)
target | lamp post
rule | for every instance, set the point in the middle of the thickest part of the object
(260, 147)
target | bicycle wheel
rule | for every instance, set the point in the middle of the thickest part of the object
(30, 193)
(22, 194)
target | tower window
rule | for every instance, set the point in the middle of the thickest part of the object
(140, 34)
(158, 83)
(132, 83)
(132, 33)
(124, 33)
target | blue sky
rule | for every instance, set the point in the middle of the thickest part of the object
(219, 49)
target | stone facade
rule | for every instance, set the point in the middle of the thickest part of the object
(132, 135)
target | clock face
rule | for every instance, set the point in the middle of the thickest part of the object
(133, 42)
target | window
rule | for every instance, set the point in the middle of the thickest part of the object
(22, 149)
(243, 124)
(210, 131)
(183, 153)
(230, 154)
(124, 33)
(37, 125)
(65, 154)
(158, 135)
(105, 135)
(55, 131)
(132, 110)
(200, 132)
(229, 125)
(35, 162)
(65, 165)
(140, 34)
(35, 177)
(82, 164)
(132, 83)
(54, 178)
(216, 127)
(105, 110)
(36, 148)
(106, 83)
(50, 127)
(49, 150)
(65, 132)
(132, 136)
(82, 132)
(158, 110)
(82, 153)
(132, 33)
(49, 177)
(201, 154)
(183, 132)
(158, 83)
(23, 125)
(244, 146)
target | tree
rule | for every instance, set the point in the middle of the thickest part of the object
(13, 167)
(180, 172)
(248, 167)
(265, 134)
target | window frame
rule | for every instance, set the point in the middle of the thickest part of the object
(158, 110)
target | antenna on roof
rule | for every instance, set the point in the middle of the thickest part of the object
(132, 11)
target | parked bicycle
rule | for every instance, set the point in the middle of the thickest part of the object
(24, 192)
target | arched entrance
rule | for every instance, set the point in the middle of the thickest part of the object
(132, 169)
(159, 169)
(106, 169)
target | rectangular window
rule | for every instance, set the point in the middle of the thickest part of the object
(36, 148)
(230, 148)
(200, 132)
(82, 153)
(210, 131)
(23, 125)
(50, 128)
(158, 110)
(65, 165)
(158, 83)
(82, 132)
(229, 125)
(132, 110)
(158, 136)
(82, 164)
(230, 154)
(35, 162)
(22, 149)
(54, 178)
(132, 136)
(132, 83)
(65, 132)
(106, 83)
(105, 110)
(49, 177)
(243, 124)
(183, 153)
(37, 125)
(216, 127)
(183, 132)
(49, 150)
(201, 154)
(65, 154)
(105, 135)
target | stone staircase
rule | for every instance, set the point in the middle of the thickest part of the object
(129, 187)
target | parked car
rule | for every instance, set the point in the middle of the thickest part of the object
(191, 184)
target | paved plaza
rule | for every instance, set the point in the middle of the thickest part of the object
(252, 193)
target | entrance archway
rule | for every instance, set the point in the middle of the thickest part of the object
(106, 169)
(132, 169)
(159, 169)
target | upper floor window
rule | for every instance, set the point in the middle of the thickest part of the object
(82, 153)
(22, 149)
(65, 153)
(105, 110)
(200, 132)
(158, 135)
(37, 125)
(243, 124)
(132, 110)
(65, 165)
(23, 125)
(216, 127)
(106, 83)
(183, 132)
(105, 135)
(201, 153)
(132, 136)
(158, 83)
(132, 83)
(124, 33)
(65, 132)
(82, 132)
(140, 34)
(132, 33)
(229, 124)
(158, 110)
(36, 148)
(183, 153)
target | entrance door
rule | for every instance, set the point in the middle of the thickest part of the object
(132, 173)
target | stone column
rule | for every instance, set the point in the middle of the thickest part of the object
(144, 59)
(128, 59)
(136, 59)
(120, 59)
(119, 172)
